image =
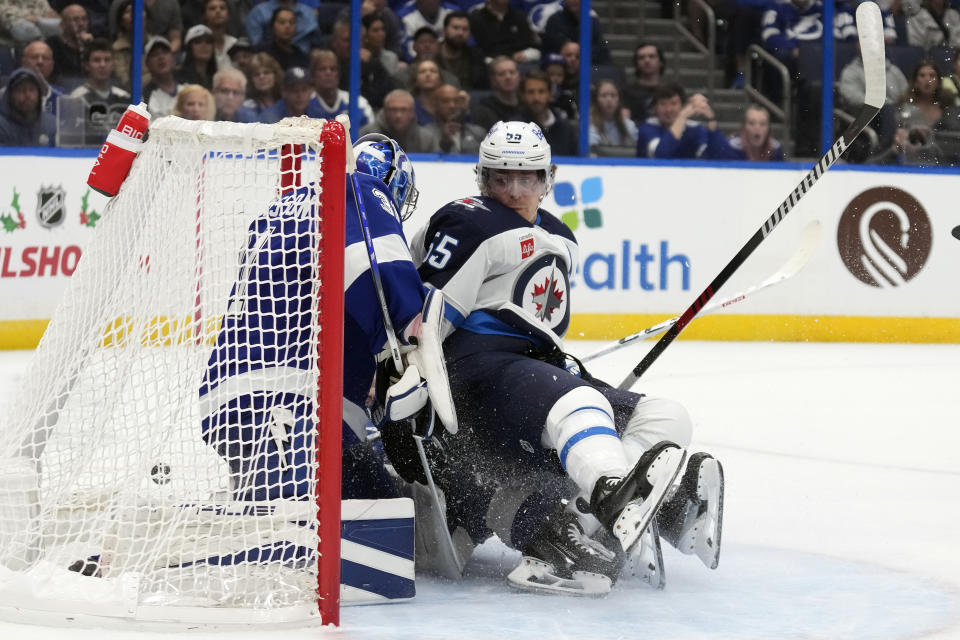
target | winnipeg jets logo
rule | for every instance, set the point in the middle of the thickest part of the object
(543, 291)
(547, 298)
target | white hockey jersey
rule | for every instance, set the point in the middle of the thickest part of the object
(499, 273)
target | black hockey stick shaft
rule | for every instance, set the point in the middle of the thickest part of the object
(870, 32)
(811, 236)
(864, 118)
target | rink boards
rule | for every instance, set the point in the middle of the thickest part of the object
(651, 237)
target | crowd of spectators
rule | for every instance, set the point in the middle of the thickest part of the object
(436, 74)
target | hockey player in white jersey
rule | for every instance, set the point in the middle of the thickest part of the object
(503, 264)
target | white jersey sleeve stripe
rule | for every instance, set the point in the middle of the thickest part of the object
(270, 379)
(388, 248)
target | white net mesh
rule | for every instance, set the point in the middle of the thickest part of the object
(162, 443)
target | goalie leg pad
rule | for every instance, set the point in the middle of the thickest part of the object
(437, 550)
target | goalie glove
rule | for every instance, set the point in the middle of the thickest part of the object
(402, 399)
(399, 440)
(422, 351)
(405, 397)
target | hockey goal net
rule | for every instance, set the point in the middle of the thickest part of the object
(173, 454)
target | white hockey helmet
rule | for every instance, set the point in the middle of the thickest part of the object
(515, 146)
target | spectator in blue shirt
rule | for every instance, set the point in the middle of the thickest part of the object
(419, 14)
(788, 23)
(265, 86)
(670, 133)
(787, 26)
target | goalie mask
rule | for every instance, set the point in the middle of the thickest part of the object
(381, 157)
(515, 146)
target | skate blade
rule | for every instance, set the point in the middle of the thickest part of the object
(537, 576)
(646, 561)
(637, 515)
(710, 489)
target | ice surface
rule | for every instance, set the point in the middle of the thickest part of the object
(841, 516)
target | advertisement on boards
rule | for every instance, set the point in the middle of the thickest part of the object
(651, 239)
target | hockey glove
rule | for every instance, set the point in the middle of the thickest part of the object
(405, 397)
(401, 450)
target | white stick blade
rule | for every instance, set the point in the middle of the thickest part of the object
(870, 32)
(810, 238)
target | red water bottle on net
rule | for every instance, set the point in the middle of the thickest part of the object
(119, 151)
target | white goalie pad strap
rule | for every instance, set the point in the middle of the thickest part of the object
(428, 358)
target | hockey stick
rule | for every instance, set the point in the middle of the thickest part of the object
(797, 261)
(438, 505)
(375, 274)
(870, 32)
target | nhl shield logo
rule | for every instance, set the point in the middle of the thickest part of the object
(51, 206)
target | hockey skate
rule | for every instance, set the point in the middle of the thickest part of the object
(691, 518)
(645, 561)
(562, 559)
(627, 505)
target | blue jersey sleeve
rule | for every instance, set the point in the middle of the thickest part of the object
(401, 283)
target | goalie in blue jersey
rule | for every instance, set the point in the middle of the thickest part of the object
(256, 397)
